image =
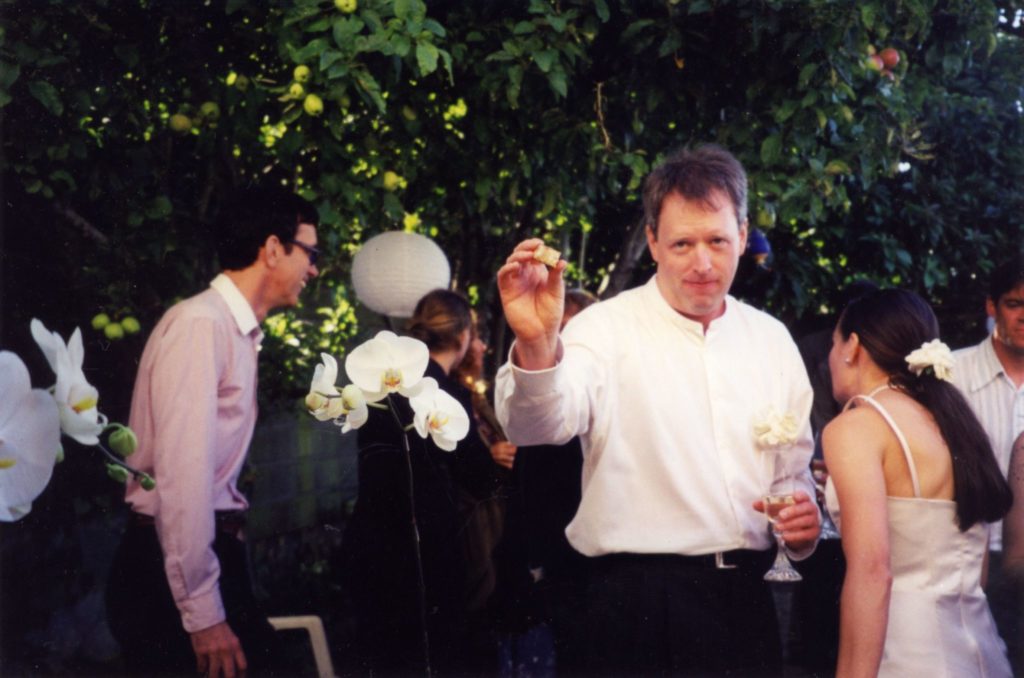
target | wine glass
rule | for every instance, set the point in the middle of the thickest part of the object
(781, 570)
(828, 526)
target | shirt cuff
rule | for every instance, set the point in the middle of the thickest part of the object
(202, 612)
(535, 383)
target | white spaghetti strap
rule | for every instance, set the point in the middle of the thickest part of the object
(899, 436)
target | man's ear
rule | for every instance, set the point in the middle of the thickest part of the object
(744, 231)
(652, 241)
(990, 307)
(272, 251)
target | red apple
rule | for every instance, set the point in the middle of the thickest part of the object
(890, 57)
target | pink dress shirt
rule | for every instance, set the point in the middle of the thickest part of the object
(194, 410)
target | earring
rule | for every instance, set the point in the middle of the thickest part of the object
(847, 361)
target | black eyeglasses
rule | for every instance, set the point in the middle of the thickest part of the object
(311, 252)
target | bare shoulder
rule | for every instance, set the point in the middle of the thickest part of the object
(859, 430)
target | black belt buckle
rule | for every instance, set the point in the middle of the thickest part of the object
(720, 563)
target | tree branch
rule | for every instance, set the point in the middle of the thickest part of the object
(76, 219)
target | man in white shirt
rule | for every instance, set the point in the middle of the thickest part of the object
(664, 384)
(991, 377)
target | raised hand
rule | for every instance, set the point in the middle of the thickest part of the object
(533, 297)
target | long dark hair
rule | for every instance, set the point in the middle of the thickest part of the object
(892, 323)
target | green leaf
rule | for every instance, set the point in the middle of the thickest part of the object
(426, 57)
(952, 64)
(556, 78)
(545, 59)
(8, 74)
(62, 175)
(524, 27)
(345, 29)
(558, 23)
(837, 167)
(328, 57)
(806, 73)
(313, 49)
(369, 85)
(47, 95)
(771, 149)
(160, 208)
(786, 110)
(698, 7)
(867, 14)
(601, 7)
(434, 27)
(636, 27)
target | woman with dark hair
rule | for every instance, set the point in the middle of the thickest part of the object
(915, 478)
(381, 538)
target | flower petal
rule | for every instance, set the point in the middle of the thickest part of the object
(29, 435)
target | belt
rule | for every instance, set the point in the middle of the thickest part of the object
(738, 559)
(228, 522)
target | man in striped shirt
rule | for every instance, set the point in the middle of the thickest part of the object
(991, 377)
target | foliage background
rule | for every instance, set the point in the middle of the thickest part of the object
(480, 123)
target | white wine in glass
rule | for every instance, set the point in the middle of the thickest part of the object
(781, 569)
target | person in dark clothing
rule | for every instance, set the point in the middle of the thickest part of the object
(540, 576)
(381, 539)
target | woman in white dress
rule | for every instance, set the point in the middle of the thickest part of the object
(914, 476)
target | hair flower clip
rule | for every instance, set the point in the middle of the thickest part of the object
(934, 356)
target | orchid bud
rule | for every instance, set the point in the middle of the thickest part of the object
(147, 482)
(123, 441)
(118, 472)
(315, 401)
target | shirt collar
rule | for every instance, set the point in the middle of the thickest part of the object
(989, 366)
(654, 297)
(240, 309)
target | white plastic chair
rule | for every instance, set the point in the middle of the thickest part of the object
(317, 638)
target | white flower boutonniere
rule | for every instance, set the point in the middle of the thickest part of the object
(773, 430)
(935, 356)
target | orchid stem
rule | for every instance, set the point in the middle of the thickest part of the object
(114, 459)
(421, 582)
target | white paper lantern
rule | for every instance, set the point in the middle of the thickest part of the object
(394, 270)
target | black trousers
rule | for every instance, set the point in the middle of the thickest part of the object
(147, 624)
(680, 615)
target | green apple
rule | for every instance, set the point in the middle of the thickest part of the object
(391, 180)
(313, 105)
(346, 6)
(180, 123)
(114, 331)
(209, 111)
(100, 320)
(130, 324)
(301, 73)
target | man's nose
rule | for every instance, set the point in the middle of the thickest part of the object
(313, 271)
(702, 259)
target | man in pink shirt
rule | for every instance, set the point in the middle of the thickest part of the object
(179, 596)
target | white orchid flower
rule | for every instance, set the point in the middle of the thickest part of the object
(354, 408)
(29, 439)
(348, 407)
(387, 364)
(76, 398)
(322, 400)
(935, 355)
(437, 414)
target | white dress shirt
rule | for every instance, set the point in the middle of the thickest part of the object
(666, 415)
(997, 403)
(194, 410)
